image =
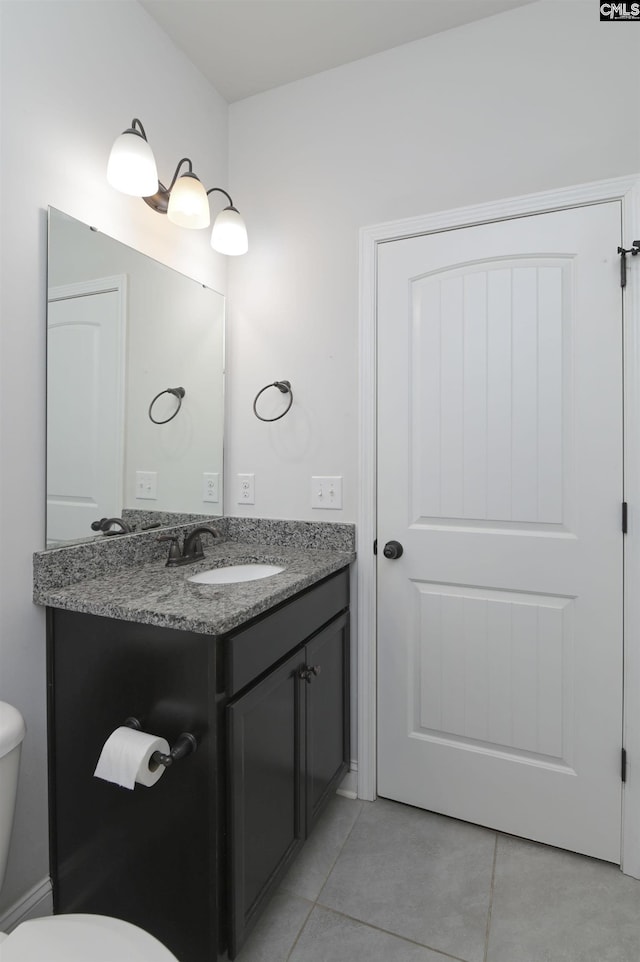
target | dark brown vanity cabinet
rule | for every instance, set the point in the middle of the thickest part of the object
(193, 858)
(148, 856)
(288, 749)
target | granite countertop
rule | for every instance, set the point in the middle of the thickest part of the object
(151, 593)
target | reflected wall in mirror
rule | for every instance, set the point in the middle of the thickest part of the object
(121, 328)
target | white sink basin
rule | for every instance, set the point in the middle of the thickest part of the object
(232, 574)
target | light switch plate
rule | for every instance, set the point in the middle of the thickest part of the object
(211, 487)
(246, 489)
(326, 492)
(147, 485)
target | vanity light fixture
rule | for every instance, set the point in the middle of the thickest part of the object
(132, 170)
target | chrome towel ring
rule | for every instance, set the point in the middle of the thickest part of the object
(178, 392)
(285, 388)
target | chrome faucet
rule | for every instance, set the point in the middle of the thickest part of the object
(191, 548)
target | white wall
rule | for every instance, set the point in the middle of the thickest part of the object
(180, 345)
(517, 103)
(73, 76)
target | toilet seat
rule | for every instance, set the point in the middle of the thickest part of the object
(81, 938)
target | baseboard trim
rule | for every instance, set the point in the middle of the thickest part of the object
(349, 784)
(37, 902)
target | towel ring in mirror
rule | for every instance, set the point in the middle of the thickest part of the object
(285, 388)
(178, 392)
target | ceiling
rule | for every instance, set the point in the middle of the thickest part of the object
(245, 47)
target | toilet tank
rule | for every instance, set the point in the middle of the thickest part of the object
(12, 732)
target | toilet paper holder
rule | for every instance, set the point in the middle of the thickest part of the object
(185, 744)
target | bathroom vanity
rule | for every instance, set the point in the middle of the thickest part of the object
(256, 672)
(259, 674)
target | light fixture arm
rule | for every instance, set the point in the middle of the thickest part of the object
(138, 123)
(228, 196)
(185, 160)
(160, 200)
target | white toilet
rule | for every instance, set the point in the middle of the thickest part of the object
(61, 938)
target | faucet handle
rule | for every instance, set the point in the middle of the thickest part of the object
(174, 549)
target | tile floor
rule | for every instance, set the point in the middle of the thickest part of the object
(382, 882)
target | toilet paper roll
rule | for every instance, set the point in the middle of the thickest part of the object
(126, 756)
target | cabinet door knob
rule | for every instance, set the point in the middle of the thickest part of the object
(307, 673)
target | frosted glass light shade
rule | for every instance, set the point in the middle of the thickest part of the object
(229, 235)
(132, 166)
(188, 203)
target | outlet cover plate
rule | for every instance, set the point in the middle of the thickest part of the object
(211, 487)
(246, 489)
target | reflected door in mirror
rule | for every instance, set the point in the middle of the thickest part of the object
(85, 436)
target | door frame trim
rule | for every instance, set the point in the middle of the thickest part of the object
(627, 191)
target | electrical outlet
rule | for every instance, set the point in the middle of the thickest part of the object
(147, 485)
(246, 489)
(326, 492)
(211, 487)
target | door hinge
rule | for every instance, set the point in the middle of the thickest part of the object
(375, 546)
(633, 250)
(623, 765)
(624, 517)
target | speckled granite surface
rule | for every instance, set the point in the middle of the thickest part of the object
(139, 517)
(321, 535)
(134, 584)
(100, 557)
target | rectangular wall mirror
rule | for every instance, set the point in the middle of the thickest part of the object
(121, 330)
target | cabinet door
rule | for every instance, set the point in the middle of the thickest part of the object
(266, 815)
(327, 723)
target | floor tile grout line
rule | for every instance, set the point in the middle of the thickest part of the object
(378, 928)
(395, 935)
(300, 931)
(333, 864)
(314, 902)
(491, 892)
(327, 908)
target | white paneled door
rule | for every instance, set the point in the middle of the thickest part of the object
(85, 384)
(500, 473)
